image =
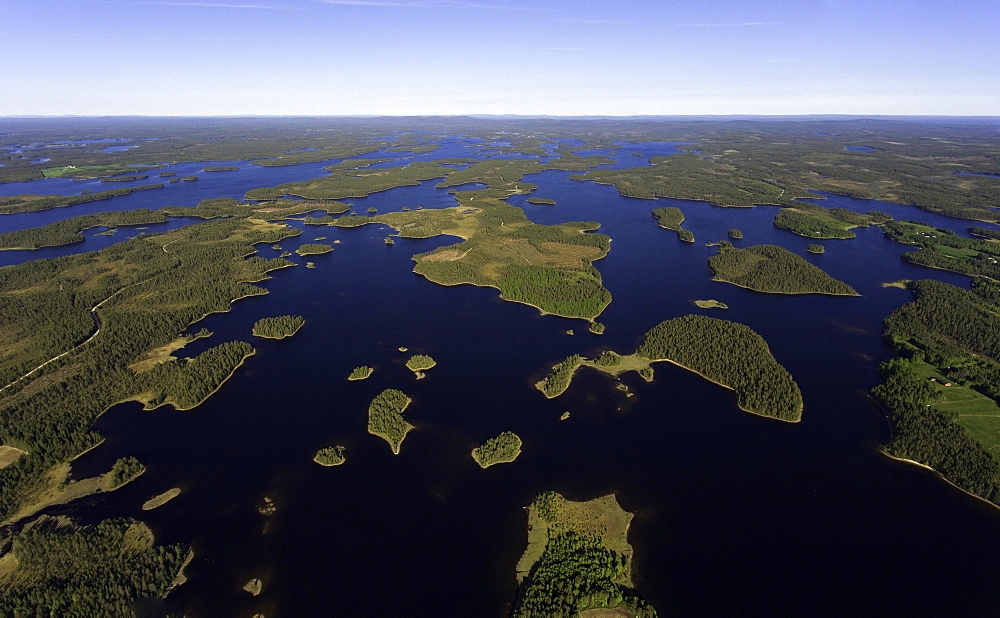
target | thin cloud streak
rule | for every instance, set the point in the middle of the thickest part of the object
(744, 24)
(214, 5)
(422, 4)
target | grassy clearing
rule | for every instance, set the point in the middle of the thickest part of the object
(975, 412)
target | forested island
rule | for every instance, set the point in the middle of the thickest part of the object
(278, 327)
(773, 269)
(385, 417)
(67, 231)
(947, 335)
(814, 221)
(578, 560)
(727, 353)
(330, 455)
(313, 248)
(503, 448)
(360, 373)
(944, 249)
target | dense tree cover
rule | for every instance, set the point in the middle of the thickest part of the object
(985, 232)
(942, 248)
(577, 571)
(355, 182)
(385, 417)
(330, 455)
(685, 236)
(958, 332)
(541, 201)
(96, 570)
(420, 362)
(608, 358)
(736, 234)
(220, 168)
(186, 383)
(67, 231)
(596, 327)
(313, 248)
(815, 248)
(770, 268)
(96, 314)
(360, 373)
(731, 354)
(922, 433)
(559, 379)
(278, 327)
(507, 174)
(129, 178)
(124, 470)
(670, 217)
(503, 448)
(32, 203)
(816, 221)
(953, 329)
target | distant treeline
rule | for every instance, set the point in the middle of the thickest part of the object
(33, 203)
(68, 231)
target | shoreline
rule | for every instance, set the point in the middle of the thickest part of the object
(205, 398)
(746, 287)
(285, 336)
(940, 475)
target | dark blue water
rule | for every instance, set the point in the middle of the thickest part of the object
(735, 514)
(860, 148)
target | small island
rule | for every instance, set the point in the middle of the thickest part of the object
(541, 200)
(578, 560)
(736, 234)
(596, 327)
(330, 455)
(670, 217)
(385, 417)
(816, 248)
(773, 269)
(419, 363)
(161, 499)
(314, 248)
(360, 373)
(220, 168)
(727, 353)
(504, 448)
(711, 304)
(278, 327)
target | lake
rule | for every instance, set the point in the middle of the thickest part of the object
(735, 514)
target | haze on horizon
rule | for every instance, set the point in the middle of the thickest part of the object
(547, 57)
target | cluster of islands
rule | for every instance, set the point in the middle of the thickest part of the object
(86, 331)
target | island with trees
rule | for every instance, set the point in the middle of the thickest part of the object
(944, 249)
(313, 248)
(419, 363)
(814, 221)
(726, 353)
(385, 417)
(360, 373)
(330, 455)
(503, 448)
(775, 270)
(578, 560)
(941, 395)
(278, 327)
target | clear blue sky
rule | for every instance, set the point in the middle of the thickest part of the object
(565, 57)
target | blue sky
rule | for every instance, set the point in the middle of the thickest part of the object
(561, 57)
